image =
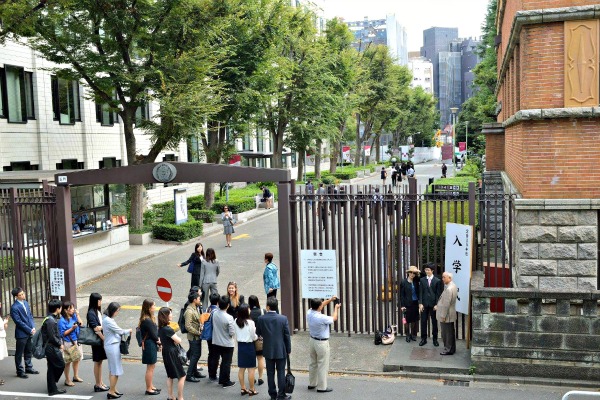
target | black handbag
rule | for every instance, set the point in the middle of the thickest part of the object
(290, 380)
(182, 355)
(124, 346)
(89, 337)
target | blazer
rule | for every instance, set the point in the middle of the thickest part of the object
(112, 331)
(275, 331)
(23, 320)
(50, 333)
(197, 260)
(446, 305)
(406, 292)
(429, 295)
(210, 272)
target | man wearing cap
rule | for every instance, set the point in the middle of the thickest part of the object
(318, 326)
(430, 291)
(446, 314)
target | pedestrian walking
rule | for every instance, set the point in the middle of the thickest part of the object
(270, 278)
(94, 321)
(318, 327)
(113, 334)
(53, 348)
(394, 177)
(255, 313)
(409, 301)
(410, 172)
(444, 170)
(193, 327)
(235, 299)
(446, 314)
(68, 327)
(277, 346)
(208, 276)
(170, 340)
(213, 356)
(150, 343)
(310, 190)
(222, 340)
(3, 347)
(245, 333)
(228, 223)
(430, 290)
(24, 331)
(196, 260)
(383, 175)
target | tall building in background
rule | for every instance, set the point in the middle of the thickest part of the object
(436, 40)
(422, 71)
(316, 6)
(388, 31)
(469, 60)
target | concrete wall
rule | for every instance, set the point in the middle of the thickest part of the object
(97, 245)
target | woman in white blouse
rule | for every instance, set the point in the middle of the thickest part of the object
(245, 333)
(3, 348)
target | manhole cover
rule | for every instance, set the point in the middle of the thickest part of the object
(456, 383)
(425, 354)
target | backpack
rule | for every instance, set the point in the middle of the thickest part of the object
(377, 340)
(207, 330)
(181, 320)
(37, 343)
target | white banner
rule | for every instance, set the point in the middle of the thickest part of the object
(181, 208)
(319, 273)
(57, 282)
(459, 251)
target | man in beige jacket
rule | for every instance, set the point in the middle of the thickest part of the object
(446, 314)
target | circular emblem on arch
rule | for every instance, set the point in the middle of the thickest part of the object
(164, 172)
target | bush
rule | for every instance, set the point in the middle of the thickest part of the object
(236, 205)
(267, 184)
(144, 229)
(196, 203)
(207, 216)
(178, 233)
(328, 180)
(345, 175)
(163, 213)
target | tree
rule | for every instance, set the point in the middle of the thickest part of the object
(418, 118)
(123, 51)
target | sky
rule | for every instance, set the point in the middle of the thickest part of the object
(416, 15)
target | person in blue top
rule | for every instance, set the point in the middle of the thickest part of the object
(68, 327)
(24, 330)
(270, 278)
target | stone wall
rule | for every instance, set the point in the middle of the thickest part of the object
(551, 334)
(556, 244)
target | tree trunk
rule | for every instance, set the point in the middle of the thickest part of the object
(319, 147)
(377, 142)
(301, 166)
(276, 161)
(136, 192)
(136, 218)
(358, 144)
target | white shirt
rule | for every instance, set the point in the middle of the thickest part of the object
(247, 334)
(318, 324)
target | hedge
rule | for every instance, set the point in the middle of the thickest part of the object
(178, 233)
(196, 203)
(236, 206)
(207, 216)
(345, 175)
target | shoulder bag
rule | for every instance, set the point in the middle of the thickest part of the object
(258, 343)
(182, 355)
(124, 346)
(191, 267)
(290, 380)
(71, 353)
(88, 336)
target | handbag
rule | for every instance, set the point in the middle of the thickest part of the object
(290, 380)
(191, 267)
(258, 343)
(182, 355)
(88, 336)
(389, 335)
(124, 345)
(71, 353)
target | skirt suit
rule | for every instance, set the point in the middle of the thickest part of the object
(112, 345)
(94, 319)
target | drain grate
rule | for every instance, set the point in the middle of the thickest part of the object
(448, 382)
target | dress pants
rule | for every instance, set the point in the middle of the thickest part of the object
(23, 348)
(213, 360)
(226, 355)
(278, 365)
(272, 294)
(56, 367)
(195, 353)
(319, 363)
(208, 289)
(448, 337)
(428, 312)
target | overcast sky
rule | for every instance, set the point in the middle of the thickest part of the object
(415, 15)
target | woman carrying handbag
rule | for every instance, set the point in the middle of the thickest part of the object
(94, 321)
(68, 327)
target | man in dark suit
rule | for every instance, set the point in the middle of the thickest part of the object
(430, 291)
(277, 345)
(24, 330)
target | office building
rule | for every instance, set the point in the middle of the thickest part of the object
(386, 31)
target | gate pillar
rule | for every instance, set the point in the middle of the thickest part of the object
(64, 225)
(285, 253)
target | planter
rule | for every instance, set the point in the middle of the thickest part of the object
(140, 239)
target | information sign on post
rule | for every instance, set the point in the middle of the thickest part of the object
(57, 282)
(319, 273)
(459, 251)
(181, 207)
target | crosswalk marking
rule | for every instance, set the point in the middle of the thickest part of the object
(62, 396)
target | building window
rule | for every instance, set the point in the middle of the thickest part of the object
(247, 144)
(260, 141)
(104, 115)
(21, 166)
(2, 91)
(17, 94)
(142, 113)
(65, 101)
(170, 157)
(294, 160)
(109, 162)
(70, 163)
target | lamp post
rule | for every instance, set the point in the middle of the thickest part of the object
(306, 161)
(453, 110)
(466, 140)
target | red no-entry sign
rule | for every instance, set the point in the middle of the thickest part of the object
(163, 287)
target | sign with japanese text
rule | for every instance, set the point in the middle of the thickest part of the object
(57, 282)
(181, 207)
(459, 251)
(319, 273)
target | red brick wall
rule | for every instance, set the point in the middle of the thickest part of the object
(494, 152)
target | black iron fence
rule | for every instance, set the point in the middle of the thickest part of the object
(27, 244)
(379, 232)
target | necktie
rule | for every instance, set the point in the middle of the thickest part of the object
(429, 281)
(25, 308)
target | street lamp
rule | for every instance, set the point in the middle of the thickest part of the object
(453, 110)
(466, 140)
(305, 161)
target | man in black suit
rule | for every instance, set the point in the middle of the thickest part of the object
(430, 291)
(277, 345)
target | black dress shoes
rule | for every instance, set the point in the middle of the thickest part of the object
(59, 391)
(199, 375)
(446, 353)
(32, 371)
(423, 342)
(436, 343)
(192, 379)
(413, 338)
(311, 387)
(22, 376)
(325, 390)
(407, 339)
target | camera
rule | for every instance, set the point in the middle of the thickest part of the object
(337, 301)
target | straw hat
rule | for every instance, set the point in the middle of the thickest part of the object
(413, 269)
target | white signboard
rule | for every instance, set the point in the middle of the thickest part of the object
(459, 251)
(181, 209)
(57, 282)
(319, 273)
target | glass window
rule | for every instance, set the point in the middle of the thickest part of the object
(15, 94)
(2, 101)
(118, 203)
(28, 79)
(142, 113)
(65, 101)
(294, 162)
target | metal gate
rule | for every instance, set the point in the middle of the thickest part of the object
(378, 233)
(28, 244)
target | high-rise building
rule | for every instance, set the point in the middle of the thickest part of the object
(422, 71)
(388, 31)
(469, 59)
(316, 6)
(436, 40)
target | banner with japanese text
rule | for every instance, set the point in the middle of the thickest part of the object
(459, 251)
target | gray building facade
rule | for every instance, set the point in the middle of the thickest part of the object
(436, 40)
(388, 32)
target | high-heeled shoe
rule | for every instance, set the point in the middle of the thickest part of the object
(100, 388)
(112, 396)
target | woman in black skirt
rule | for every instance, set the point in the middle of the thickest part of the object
(150, 343)
(409, 302)
(255, 313)
(245, 333)
(94, 321)
(196, 257)
(169, 341)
